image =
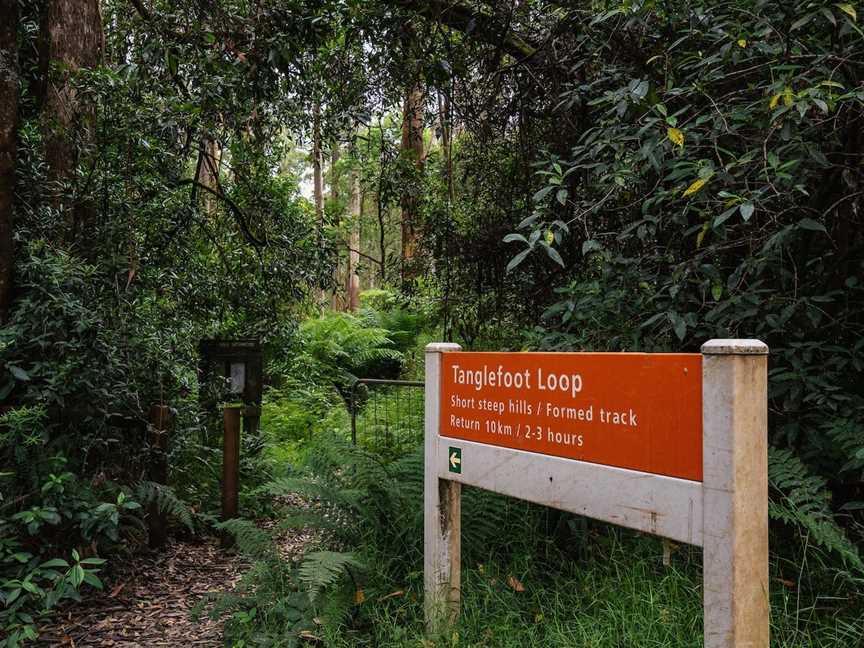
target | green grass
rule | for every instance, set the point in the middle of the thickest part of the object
(618, 594)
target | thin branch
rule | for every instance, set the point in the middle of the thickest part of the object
(238, 213)
(365, 256)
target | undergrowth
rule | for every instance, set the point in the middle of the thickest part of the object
(531, 576)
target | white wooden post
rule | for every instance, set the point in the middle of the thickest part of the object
(442, 506)
(735, 493)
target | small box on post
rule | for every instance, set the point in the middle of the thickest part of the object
(239, 365)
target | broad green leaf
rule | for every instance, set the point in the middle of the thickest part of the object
(540, 195)
(798, 24)
(561, 196)
(695, 186)
(590, 246)
(553, 254)
(726, 215)
(19, 373)
(527, 221)
(519, 258)
(812, 225)
(54, 562)
(76, 575)
(678, 324)
(746, 210)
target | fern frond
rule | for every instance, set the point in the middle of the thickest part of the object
(167, 501)
(847, 437)
(251, 540)
(802, 499)
(321, 570)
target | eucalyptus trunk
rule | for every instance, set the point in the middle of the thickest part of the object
(352, 280)
(317, 176)
(71, 40)
(412, 149)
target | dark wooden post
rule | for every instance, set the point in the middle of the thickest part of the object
(251, 419)
(160, 423)
(230, 465)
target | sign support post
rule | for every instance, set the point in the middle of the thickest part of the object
(735, 493)
(442, 501)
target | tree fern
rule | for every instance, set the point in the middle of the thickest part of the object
(802, 499)
(346, 345)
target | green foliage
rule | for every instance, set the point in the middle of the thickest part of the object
(31, 587)
(166, 501)
(250, 540)
(803, 500)
(347, 349)
(377, 299)
(278, 600)
(322, 570)
(583, 582)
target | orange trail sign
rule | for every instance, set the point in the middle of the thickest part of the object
(630, 410)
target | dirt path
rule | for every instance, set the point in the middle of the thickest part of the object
(147, 604)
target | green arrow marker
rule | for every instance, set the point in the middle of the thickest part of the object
(455, 455)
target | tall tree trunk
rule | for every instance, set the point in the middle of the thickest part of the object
(210, 159)
(317, 177)
(8, 146)
(352, 281)
(447, 148)
(338, 301)
(72, 40)
(412, 149)
(335, 156)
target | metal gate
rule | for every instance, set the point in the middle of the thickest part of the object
(387, 415)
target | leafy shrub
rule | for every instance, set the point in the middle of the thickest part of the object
(376, 299)
(31, 587)
(47, 516)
